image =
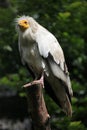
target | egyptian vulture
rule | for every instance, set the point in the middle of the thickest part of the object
(43, 55)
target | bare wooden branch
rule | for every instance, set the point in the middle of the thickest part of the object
(37, 108)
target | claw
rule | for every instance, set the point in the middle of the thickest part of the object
(36, 82)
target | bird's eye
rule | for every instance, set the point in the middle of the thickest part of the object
(25, 22)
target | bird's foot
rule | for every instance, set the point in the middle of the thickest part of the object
(36, 82)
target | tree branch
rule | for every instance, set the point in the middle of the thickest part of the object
(37, 108)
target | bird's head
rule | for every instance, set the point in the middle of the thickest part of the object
(22, 23)
(25, 22)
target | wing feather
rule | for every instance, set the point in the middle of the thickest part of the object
(48, 45)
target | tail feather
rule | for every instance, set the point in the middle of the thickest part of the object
(60, 95)
(66, 106)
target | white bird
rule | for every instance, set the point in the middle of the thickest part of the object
(43, 55)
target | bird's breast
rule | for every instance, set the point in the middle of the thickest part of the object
(33, 58)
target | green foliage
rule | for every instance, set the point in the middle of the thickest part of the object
(67, 20)
(76, 125)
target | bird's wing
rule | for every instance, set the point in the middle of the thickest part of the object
(49, 48)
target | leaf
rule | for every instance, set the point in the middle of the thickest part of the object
(7, 47)
(64, 15)
(76, 125)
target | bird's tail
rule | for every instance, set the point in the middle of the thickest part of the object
(61, 94)
(66, 106)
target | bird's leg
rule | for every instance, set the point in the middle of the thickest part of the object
(36, 82)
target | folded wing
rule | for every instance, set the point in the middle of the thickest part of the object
(52, 51)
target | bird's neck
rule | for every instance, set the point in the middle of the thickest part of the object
(29, 35)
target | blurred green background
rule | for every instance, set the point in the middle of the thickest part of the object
(67, 20)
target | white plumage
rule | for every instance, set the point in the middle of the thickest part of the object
(40, 50)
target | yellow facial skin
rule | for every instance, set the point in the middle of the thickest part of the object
(23, 24)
